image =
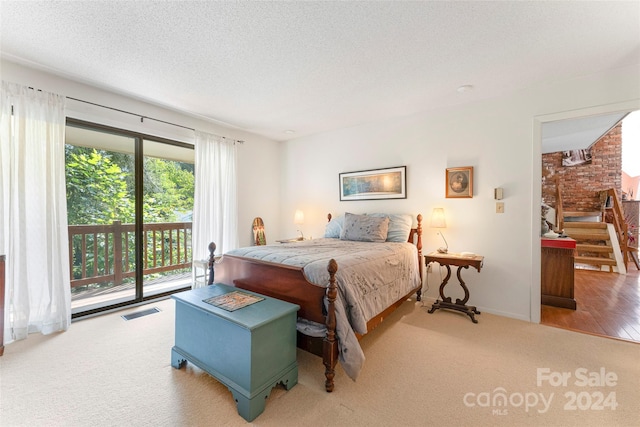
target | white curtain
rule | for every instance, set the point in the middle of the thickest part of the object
(215, 209)
(33, 212)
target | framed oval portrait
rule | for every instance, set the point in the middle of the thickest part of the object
(459, 182)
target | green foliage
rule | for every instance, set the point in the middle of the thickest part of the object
(101, 187)
(168, 190)
(97, 191)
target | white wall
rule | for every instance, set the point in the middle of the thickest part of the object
(258, 158)
(500, 138)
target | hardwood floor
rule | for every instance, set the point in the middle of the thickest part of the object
(608, 305)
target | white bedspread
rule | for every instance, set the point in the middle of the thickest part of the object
(370, 277)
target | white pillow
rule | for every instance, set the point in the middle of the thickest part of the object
(334, 227)
(399, 226)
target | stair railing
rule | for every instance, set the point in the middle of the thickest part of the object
(620, 224)
(559, 208)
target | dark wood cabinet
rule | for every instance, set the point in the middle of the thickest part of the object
(557, 275)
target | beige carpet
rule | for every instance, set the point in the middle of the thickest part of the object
(421, 369)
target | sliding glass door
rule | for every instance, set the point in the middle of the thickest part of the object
(168, 206)
(129, 202)
(100, 176)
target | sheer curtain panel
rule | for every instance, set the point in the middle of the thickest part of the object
(33, 212)
(215, 210)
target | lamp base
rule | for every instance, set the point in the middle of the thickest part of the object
(443, 250)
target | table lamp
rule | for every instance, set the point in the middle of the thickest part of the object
(298, 219)
(438, 221)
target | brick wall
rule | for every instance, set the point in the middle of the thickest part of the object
(581, 184)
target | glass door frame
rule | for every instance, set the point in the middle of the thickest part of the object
(139, 212)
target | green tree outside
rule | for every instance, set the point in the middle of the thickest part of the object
(101, 190)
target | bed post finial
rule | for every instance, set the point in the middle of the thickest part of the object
(212, 249)
(420, 259)
(330, 345)
(329, 217)
(419, 231)
(332, 268)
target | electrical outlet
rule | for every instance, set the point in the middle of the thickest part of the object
(499, 207)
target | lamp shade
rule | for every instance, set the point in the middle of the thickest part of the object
(437, 218)
(298, 218)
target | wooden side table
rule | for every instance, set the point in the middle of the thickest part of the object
(461, 262)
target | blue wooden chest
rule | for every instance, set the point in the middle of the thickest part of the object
(250, 350)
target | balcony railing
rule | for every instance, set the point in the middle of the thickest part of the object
(106, 253)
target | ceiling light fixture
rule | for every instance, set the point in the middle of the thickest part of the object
(289, 132)
(464, 88)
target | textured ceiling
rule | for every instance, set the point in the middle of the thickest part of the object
(268, 67)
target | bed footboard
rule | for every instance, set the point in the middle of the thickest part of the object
(288, 284)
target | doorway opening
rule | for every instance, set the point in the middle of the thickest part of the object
(607, 303)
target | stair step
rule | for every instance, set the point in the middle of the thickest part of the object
(579, 214)
(594, 260)
(584, 247)
(585, 224)
(581, 237)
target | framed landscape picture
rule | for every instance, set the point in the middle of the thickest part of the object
(389, 183)
(459, 182)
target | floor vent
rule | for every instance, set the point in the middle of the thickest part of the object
(140, 313)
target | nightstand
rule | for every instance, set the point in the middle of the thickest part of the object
(461, 262)
(292, 240)
(200, 273)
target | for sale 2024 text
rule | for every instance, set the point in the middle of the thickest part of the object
(586, 398)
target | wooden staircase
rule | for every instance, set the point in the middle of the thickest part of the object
(593, 244)
(602, 243)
